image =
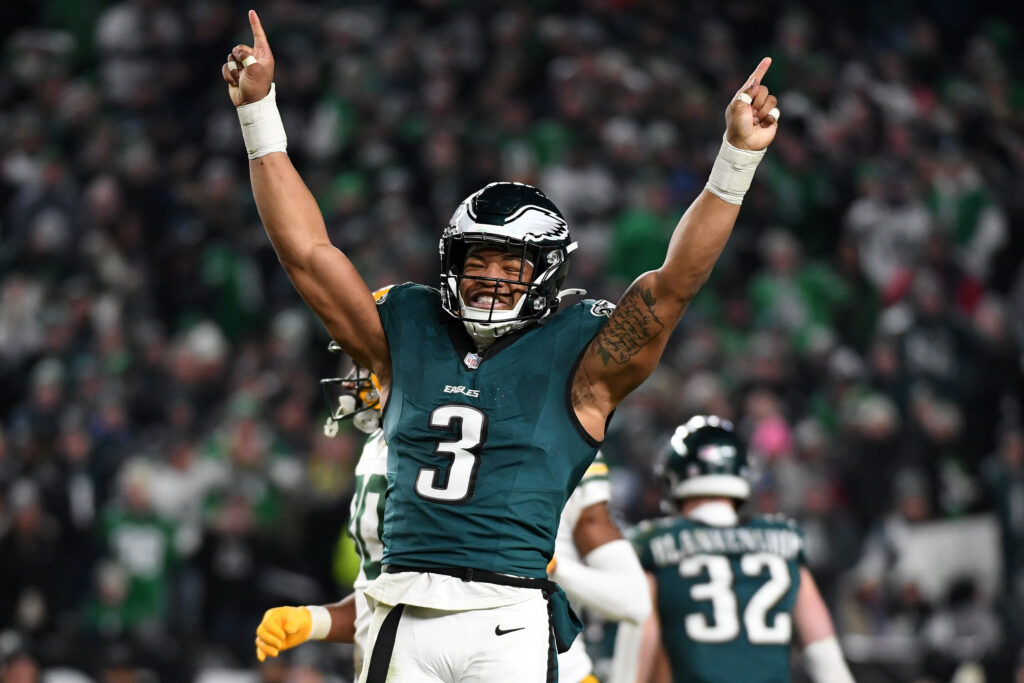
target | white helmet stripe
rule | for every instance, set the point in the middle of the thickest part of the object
(529, 224)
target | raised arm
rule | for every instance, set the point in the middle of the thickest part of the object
(629, 347)
(322, 274)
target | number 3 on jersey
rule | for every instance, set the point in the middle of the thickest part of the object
(454, 486)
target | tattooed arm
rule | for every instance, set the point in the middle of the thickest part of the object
(625, 352)
(627, 349)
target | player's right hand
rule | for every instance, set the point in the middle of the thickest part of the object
(749, 124)
(247, 84)
(282, 628)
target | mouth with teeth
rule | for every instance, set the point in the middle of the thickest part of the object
(488, 300)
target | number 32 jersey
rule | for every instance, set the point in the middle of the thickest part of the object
(725, 595)
(484, 449)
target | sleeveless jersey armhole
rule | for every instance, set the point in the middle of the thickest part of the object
(573, 417)
(384, 327)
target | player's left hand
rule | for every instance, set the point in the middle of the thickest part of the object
(752, 117)
(282, 628)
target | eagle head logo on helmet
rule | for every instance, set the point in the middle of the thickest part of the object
(514, 218)
(704, 457)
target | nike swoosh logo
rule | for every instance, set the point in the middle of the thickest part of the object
(499, 631)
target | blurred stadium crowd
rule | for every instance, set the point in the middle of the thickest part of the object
(163, 477)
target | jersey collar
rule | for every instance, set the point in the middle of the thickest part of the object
(464, 345)
(715, 513)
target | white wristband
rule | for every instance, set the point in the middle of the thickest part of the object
(824, 663)
(321, 622)
(262, 128)
(733, 172)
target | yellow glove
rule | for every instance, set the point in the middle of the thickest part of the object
(282, 628)
(552, 564)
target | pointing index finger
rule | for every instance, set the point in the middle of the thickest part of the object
(259, 38)
(759, 72)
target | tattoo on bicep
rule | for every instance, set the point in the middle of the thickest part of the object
(630, 328)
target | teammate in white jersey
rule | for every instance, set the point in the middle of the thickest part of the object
(593, 563)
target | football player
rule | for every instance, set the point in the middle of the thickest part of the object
(730, 594)
(595, 565)
(495, 398)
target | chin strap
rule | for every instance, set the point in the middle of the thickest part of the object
(485, 334)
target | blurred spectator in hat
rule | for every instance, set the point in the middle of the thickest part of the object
(789, 294)
(870, 447)
(993, 386)
(37, 421)
(142, 543)
(43, 222)
(934, 444)
(21, 329)
(30, 562)
(886, 374)
(888, 222)
(886, 602)
(137, 41)
(964, 208)
(232, 561)
(812, 492)
(180, 482)
(856, 302)
(838, 387)
(107, 613)
(933, 341)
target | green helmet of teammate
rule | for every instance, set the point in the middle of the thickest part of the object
(705, 458)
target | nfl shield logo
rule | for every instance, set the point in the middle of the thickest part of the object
(472, 361)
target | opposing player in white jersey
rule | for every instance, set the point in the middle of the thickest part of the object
(360, 402)
(347, 621)
(595, 566)
(593, 562)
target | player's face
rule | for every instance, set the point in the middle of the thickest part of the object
(499, 264)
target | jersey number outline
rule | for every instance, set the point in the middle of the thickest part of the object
(725, 625)
(368, 485)
(456, 485)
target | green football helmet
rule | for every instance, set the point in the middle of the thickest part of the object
(517, 218)
(704, 457)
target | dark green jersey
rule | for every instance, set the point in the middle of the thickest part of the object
(725, 595)
(483, 450)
